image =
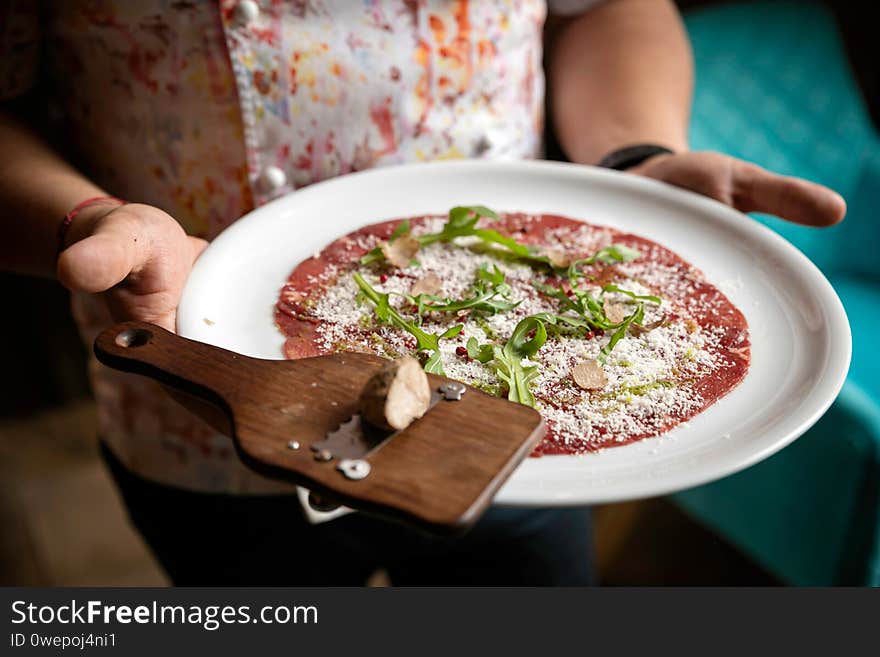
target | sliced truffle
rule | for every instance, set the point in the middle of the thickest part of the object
(401, 251)
(589, 375)
(639, 329)
(558, 259)
(615, 312)
(428, 284)
(396, 395)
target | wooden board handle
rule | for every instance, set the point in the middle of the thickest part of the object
(180, 363)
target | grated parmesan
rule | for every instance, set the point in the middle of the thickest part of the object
(651, 377)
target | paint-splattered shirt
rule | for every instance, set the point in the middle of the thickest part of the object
(207, 109)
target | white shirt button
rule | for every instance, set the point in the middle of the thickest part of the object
(272, 179)
(247, 11)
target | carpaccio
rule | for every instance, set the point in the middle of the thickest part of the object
(656, 379)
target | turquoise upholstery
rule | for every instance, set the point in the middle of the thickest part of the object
(774, 87)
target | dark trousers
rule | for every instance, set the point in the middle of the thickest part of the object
(203, 539)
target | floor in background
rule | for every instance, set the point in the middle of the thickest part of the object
(64, 525)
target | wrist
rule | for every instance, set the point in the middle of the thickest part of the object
(633, 156)
(80, 221)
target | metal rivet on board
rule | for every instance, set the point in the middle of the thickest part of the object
(293, 444)
(323, 455)
(354, 468)
(452, 391)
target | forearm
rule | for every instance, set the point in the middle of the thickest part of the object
(621, 74)
(37, 188)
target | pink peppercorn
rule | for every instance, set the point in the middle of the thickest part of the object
(383, 278)
(461, 351)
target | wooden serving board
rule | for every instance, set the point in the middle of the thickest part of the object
(439, 474)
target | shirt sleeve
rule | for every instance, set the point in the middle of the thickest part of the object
(19, 46)
(570, 7)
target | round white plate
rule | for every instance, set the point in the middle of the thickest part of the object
(800, 336)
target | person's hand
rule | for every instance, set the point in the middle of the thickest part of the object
(137, 255)
(747, 187)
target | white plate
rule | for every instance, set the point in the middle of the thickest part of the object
(800, 336)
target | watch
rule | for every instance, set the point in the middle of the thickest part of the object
(630, 156)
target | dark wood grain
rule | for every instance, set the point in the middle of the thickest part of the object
(439, 474)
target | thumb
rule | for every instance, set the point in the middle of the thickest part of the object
(103, 259)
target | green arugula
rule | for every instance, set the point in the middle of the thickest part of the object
(375, 254)
(632, 295)
(490, 294)
(578, 309)
(400, 230)
(427, 342)
(590, 309)
(608, 255)
(581, 302)
(591, 312)
(462, 222)
(637, 316)
(507, 360)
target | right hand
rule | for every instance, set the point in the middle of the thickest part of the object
(138, 256)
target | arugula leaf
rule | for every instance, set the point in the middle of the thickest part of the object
(452, 331)
(489, 294)
(555, 321)
(434, 364)
(637, 317)
(592, 313)
(494, 278)
(520, 344)
(607, 255)
(375, 254)
(371, 256)
(481, 352)
(590, 309)
(507, 360)
(581, 302)
(613, 253)
(517, 378)
(387, 313)
(400, 230)
(462, 222)
(632, 295)
(485, 300)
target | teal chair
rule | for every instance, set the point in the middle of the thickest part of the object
(774, 87)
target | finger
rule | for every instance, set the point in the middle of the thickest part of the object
(168, 319)
(793, 199)
(103, 259)
(160, 307)
(197, 245)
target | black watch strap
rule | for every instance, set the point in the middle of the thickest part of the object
(630, 156)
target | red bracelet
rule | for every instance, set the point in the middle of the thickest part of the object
(70, 216)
